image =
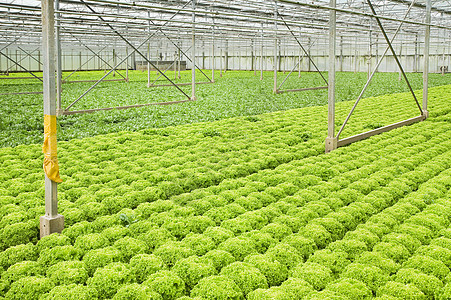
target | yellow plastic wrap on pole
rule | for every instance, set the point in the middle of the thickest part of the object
(51, 167)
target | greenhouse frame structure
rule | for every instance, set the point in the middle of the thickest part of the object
(300, 28)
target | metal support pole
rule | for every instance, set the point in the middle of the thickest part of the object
(213, 53)
(309, 67)
(376, 44)
(253, 66)
(239, 58)
(193, 70)
(280, 69)
(355, 56)
(148, 50)
(175, 63)
(51, 222)
(226, 57)
(126, 64)
(203, 54)
(443, 56)
(341, 53)
(180, 64)
(415, 58)
(331, 140)
(148, 65)
(427, 39)
(158, 58)
(79, 59)
(221, 62)
(370, 51)
(7, 62)
(261, 55)
(114, 61)
(275, 47)
(59, 109)
(300, 50)
(400, 56)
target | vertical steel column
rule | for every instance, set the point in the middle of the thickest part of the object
(370, 51)
(213, 53)
(427, 39)
(148, 50)
(376, 44)
(261, 55)
(300, 52)
(239, 58)
(126, 63)
(158, 57)
(331, 140)
(175, 64)
(275, 48)
(253, 64)
(226, 57)
(179, 57)
(148, 65)
(443, 57)
(51, 222)
(59, 109)
(221, 63)
(355, 56)
(415, 58)
(341, 53)
(114, 61)
(309, 67)
(7, 63)
(193, 70)
(400, 57)
(280, 57)
(203, 54)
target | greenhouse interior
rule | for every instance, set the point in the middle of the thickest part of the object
(225, 149)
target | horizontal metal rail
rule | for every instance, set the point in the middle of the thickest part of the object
(180, 84)
(365, 135)
(304, 89)
(18, 78)
(87, 111)
(20, 93)
(78, 81)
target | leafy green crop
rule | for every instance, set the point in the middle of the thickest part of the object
(238, 209)
(237, 93)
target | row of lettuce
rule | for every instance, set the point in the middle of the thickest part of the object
(123, 170)
(235, 94)
(315, 226)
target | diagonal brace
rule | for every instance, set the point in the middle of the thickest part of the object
(373, 73)
(297, 64)
(394, 54)
(130, 54)
(166, 69)
(97, 55)
(303, 49)
(184, 54)
(78, 69)
(133, 47)
(13, 61)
